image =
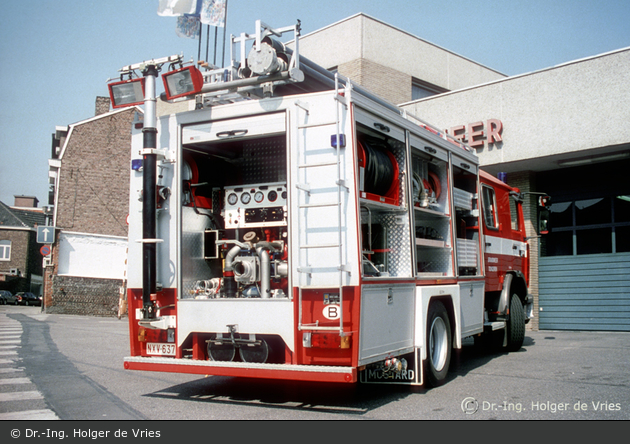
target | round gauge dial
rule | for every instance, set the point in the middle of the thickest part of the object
(259, 196)
(232, 199)
(246, 197)
(272, 196)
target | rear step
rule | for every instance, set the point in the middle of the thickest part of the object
(320, 373)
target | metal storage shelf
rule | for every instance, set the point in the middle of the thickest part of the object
(428, 274)
(431, 243)
(382, 205)
(428, 213)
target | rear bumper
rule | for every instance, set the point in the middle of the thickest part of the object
(317, 373)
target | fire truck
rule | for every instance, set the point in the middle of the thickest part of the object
(292, 225)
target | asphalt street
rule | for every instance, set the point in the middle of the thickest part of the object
(71, 368)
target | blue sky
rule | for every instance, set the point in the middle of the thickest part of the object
(56, 55)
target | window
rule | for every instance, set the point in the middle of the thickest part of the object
(514, 213)
(588, 226)
(621, 213)
(5, 250)
(592, 211)
(420, 90)
(489, 207)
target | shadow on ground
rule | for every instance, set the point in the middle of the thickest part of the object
(355, 399)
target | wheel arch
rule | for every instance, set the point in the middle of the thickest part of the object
(519, 285)
(447, 301)
(513, 283)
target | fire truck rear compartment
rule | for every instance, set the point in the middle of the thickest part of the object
(240, 196)
(234, 236)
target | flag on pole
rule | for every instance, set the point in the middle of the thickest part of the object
(213, 12)
(188, 26)
(176, 8)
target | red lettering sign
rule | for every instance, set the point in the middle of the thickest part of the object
(495, 130)
(475, 135)
(478, 134)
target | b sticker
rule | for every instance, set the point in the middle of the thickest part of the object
(331, 312)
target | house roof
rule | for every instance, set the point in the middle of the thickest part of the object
(12, 217)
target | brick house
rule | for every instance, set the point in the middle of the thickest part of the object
(20, 259)
(89, 190)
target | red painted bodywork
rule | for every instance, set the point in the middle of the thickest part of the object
(503, 263)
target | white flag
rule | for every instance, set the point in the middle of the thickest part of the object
(188, 26)
(213, 12)
(176, 8)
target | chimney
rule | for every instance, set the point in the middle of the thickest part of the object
(102, 105)
(26, 201)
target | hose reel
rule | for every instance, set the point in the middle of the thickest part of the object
(380, 171)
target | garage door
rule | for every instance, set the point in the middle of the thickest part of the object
(588, 292)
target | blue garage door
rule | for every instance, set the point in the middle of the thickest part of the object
(589, 292)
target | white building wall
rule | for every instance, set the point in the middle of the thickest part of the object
(560, 111)
(362, 36)
(92, 256)
(333, 45)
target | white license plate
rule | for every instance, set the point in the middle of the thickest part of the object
(159, 349)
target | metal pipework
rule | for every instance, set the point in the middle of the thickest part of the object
(229, 258)
(246, 269)
(262, 249)
(229, 284)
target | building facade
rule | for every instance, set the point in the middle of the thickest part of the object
(89, 190)
(20, 258)
(564, 134)
(390, 62)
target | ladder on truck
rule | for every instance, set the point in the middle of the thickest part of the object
(304, 191)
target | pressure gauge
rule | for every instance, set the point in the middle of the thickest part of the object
(245, 198)
(272, 196)
(259, 196)
(232, 199)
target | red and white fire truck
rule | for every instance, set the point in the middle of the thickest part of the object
(305, 229)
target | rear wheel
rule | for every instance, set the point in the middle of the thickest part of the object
(515, 329)
(438, 343)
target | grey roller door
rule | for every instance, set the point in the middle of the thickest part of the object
(588, 292)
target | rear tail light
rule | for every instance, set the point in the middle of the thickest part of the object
(326, 340)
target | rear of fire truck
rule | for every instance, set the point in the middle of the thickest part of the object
(305, 229)
(250, 236)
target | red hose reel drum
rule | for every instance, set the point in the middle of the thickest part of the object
(433, 185)
(383, 185)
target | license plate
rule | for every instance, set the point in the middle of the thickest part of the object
(159, 349)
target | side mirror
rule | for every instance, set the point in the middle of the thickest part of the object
(544, 214)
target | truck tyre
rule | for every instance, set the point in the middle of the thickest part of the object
(438, 343)
(515, 325)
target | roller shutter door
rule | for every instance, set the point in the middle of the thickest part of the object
(588, 292)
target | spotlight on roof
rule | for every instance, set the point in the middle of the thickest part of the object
(126, 92)
(182, 82)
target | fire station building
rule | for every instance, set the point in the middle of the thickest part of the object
(561, 131)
